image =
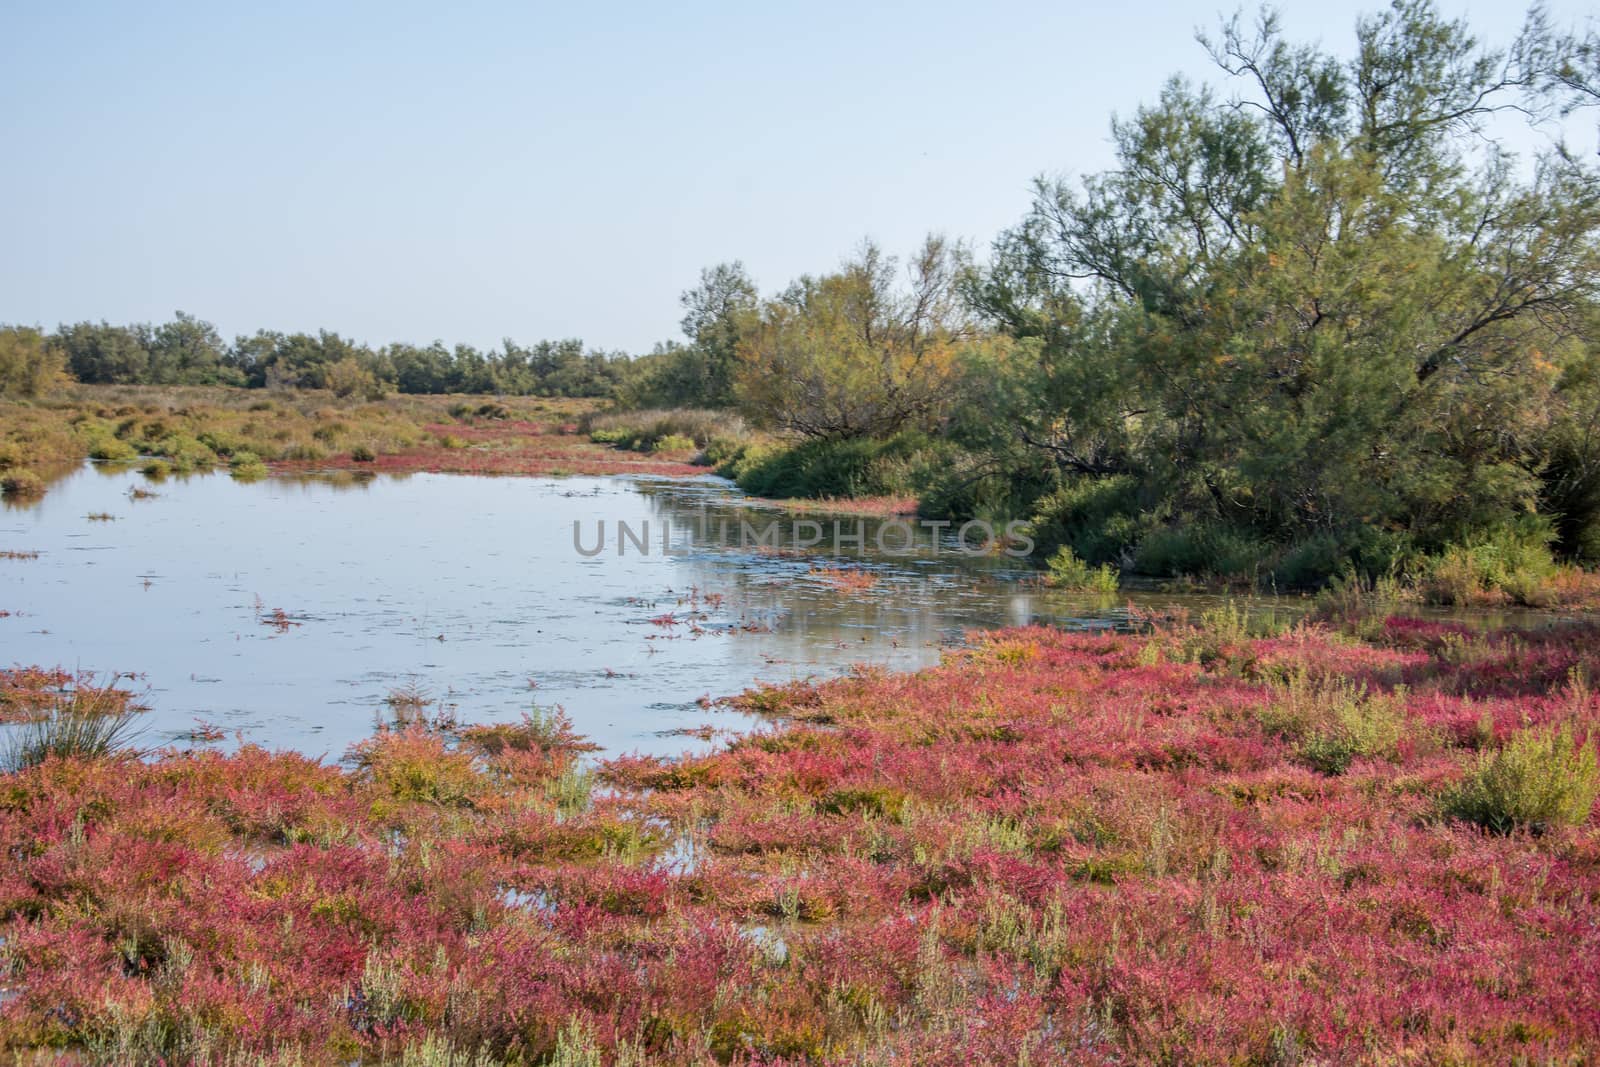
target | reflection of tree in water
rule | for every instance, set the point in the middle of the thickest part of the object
(920, 601)
(338, 480)
(715, 514)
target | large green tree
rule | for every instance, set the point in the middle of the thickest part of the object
(103, 354)
(1326, 302)
(188, 351)
(29, 366)
(860, 352)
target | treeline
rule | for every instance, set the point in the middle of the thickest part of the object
(1316, 320)
(190, 351)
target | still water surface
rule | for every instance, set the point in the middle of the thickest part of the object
(471, 589)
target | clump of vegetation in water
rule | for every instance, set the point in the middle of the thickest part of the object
(247, 466)
(111, 450)
(57, 715)
(1067, 571)
(845, 579)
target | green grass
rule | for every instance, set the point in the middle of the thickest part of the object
(79, 725)
(663, 429)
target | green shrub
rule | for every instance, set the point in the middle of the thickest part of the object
(1365, 552)
(1360, 605)
(1513, 560)
(666, 430)
(746, 457)
(1203, 550)
(184, 452)
(435, 1050)
(1541, 778)
(111, 450)
(1067, 571)
(222, 443)
(673, 442)
(1361, 726)
(247, 467)
(849, 467)
(966, 484)
(1310, 563)
(1098, 518)
(1332, 721)
(362, 454)
(722, 448)
(305, 452)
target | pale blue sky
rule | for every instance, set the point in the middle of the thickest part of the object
(470, 171)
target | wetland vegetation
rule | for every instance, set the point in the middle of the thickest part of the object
(1351, 842)
(1316, 341)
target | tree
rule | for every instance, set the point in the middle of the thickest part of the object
(188, 351)
(717, 314)
(103, 354)
(349, 377)
(1327, 303)
(854, 353)
(29, 366)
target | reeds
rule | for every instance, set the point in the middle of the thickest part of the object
(80, 719)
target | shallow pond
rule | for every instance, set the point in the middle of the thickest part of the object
(475, 591)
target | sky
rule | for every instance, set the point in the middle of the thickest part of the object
(475, 171)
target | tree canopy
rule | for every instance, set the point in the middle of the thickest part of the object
(1329, 300)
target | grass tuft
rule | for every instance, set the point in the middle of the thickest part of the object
(1542, 778)
(84, 720)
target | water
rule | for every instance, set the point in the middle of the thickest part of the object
(470, 589)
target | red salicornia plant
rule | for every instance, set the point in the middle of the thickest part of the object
(1191, 845)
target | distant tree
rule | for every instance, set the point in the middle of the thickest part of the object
(189, 351)
(718, 313)
(307, 361)
(29, 366)
(103, 354)
(349, 377)
(255, 356)
(700, 371)
(857, 353)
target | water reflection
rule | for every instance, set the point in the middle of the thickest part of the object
(470, 588)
